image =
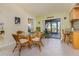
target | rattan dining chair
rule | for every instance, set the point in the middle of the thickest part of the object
(37, 40)
(19, 44)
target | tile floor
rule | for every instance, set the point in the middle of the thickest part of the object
(56, 36)
(52, 47)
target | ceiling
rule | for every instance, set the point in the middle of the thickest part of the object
(38, 9)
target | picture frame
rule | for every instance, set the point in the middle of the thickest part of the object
(17, 20)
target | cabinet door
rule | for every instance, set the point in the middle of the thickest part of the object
(75, 13)
(76, 40)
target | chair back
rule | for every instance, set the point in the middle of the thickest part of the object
(15, 37)
(39, 35)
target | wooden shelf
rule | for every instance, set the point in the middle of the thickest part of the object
(74, 20)
(74, 15)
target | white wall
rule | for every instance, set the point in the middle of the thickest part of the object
(7, 14)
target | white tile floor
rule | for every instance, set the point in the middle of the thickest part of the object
(53, 47)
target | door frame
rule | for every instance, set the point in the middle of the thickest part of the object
(55, 19)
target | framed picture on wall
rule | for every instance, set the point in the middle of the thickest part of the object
(17, 20)
(30, 25)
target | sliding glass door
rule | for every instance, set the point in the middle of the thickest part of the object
(53, 25)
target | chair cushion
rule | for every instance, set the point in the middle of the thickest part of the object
(36, 39)
(23, 40)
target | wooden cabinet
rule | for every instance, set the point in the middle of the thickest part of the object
(75, 41)
(74, 16)
(74, 13)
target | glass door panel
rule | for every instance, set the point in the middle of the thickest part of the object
(54, 27)
(58, 27)
(48, 26)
